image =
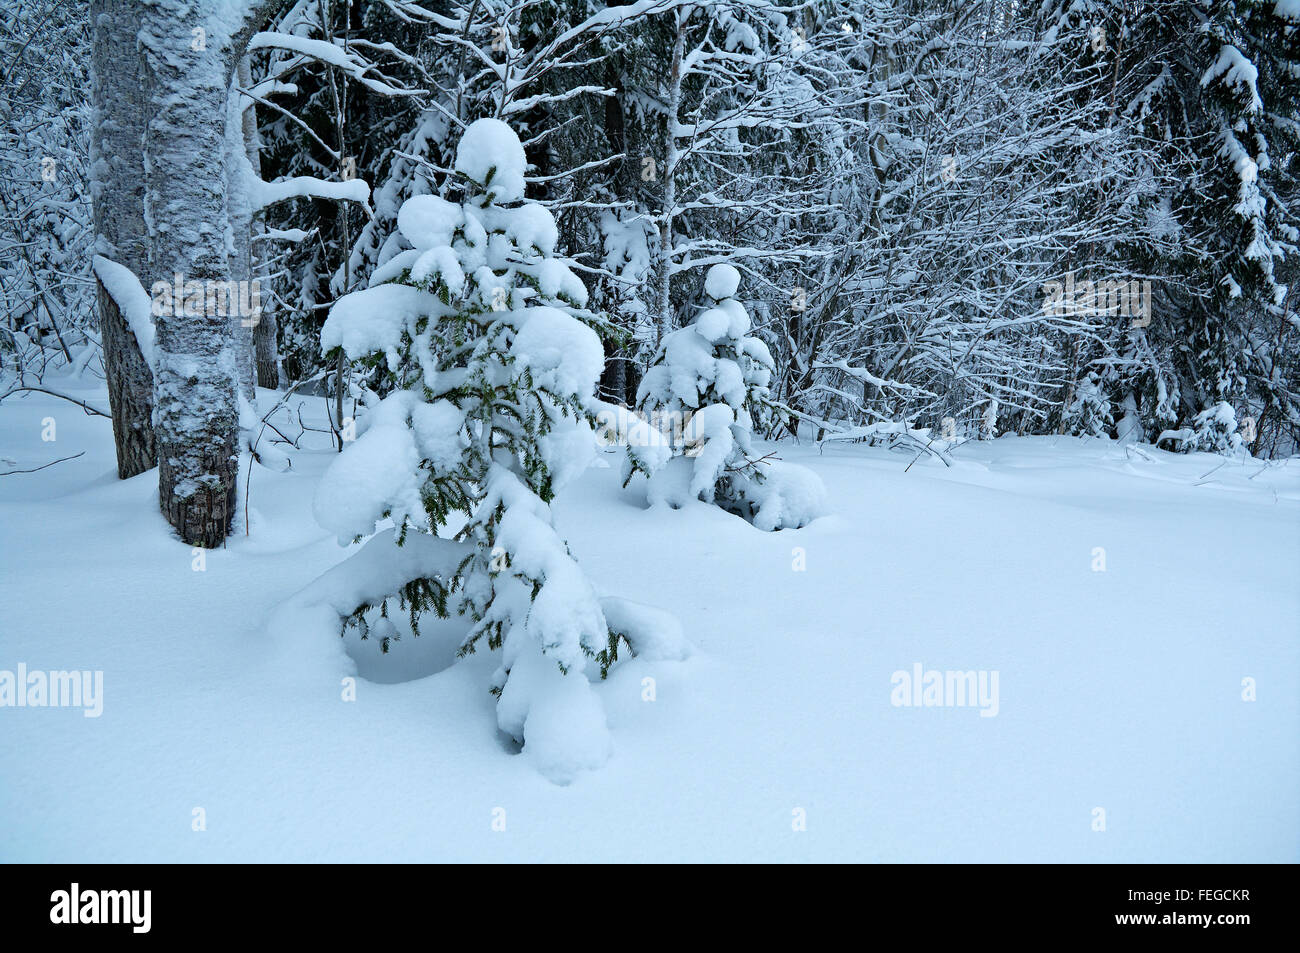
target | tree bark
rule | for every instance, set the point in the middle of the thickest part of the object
(117, 192)
(265, 349)
(239, 213)
(185, 203)
(188, 59)
(664, 271)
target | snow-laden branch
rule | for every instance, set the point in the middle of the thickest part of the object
(263, 194)
(332, 54)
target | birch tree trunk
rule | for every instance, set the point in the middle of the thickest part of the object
(117, 192)
(185, 84)
(239, 212)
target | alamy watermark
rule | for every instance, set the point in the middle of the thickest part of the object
(935, 688)
(623, 426)
(1129, 299)
(77, 905)
(56, 689)
(216, 299)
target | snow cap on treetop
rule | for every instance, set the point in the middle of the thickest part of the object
(722, 282)
(490, 148)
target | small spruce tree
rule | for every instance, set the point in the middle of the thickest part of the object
(707, 384)
(480, 334)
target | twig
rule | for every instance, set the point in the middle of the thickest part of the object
(918, 455)
(50, 464)
(1215, 470)
(53, 393)
(748, 464)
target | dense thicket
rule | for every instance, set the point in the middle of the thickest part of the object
(1039, 217)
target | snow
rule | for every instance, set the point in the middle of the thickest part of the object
(285, 234)
(654, 635)
(375, 477)
(440, 433)
(427, 221)
(626, 244)
(294, 628)
(563, 354)
(326, 52)
(134, 303)
(1233, 67)
(439, 265)
(559, 717)
(710, 440)
(688, 362)
(373, 319)
(557, 281)
(394, 266)
(619, 426)
(721, 282)
(491, 155)
(713, 325)
(532, 226)
(263, 194)
(788, 495)
(1120, 688)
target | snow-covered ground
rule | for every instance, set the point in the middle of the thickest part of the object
(777, 739)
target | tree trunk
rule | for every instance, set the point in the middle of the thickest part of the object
(265, 349)
(185, 202)
(663, 276)
(239, 213)
(117, 191)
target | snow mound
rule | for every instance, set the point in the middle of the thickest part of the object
(787, 497)
(304, 630)
(373, 319)
(670, 485)
(713, 325)
(532, 226)
(439, 264)
(440, 434)
(644, 442)
(376, 476)
(569, 449)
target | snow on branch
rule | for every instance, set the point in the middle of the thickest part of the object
(334, 55)
(263, 194)
(133, 301)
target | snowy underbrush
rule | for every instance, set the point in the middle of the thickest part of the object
(707, 383)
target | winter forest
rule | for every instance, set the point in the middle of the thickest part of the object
(547, 430)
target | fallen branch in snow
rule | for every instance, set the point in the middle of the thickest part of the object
(896, 436)
(918, 456)
(43, 466)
